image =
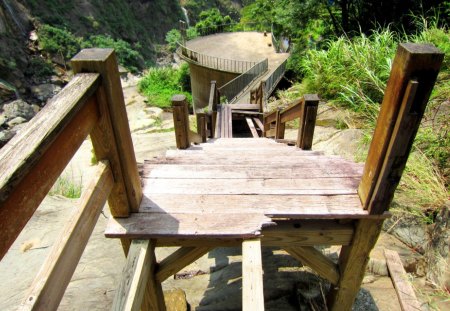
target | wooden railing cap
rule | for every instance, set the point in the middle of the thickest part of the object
(93, 54)
(420, 48)
(311, 97)
(176, 99)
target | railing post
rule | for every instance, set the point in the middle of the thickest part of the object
(279, 126)
(181, 121)
(183, 32)
(307, 121)
(414, 72)
(111, 138)
(201, 125)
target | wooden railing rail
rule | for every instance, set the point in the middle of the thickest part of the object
(91, 104)
(305, 109)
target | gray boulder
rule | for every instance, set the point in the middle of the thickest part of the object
(18, 108)
(45, 91)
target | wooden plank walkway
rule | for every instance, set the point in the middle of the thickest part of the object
(234, 188)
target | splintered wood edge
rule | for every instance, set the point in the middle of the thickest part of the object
(120, 228)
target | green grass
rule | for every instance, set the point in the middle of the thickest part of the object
(160, 84)
(67, 187)
(353, 73)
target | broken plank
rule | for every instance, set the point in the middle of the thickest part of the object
(252, 127)
(405, 292)
(252, 276)
(187, 226)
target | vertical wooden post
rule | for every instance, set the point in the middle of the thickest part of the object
(307, 124)
(115, 128)
(181, 121)
(412, 78)
(201, 125)
(353, 260)
(279, 126)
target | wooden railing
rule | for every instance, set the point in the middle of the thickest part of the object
(304, 109)
(91, 104)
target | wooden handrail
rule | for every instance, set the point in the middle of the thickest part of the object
(33, 160)
(305, 109)
(414, 72)
(91, 104)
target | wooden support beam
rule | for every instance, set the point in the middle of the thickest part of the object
(181, 121)
(178, 260)
(259, 124)
(105, 148)
(307, 233)
(135, 275)
(413, 74)
(104, 62)
(153, 296)
(51, 282)
(33, 160)
(353, 260)
(317, 261)
(252, 276)
(307, 121)
(405, 292)
(252, 127)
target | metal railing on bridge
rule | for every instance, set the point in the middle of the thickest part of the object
(233, 88)
(218, 63)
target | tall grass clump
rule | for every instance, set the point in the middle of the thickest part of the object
(67, 187)
(161, 83)
(352, 73)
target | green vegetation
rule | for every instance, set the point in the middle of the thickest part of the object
(39, 67)
(61, 42)
(160, 84)
(66, 187)
(212, 19)
(225, 7)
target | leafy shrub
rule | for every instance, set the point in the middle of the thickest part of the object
(173, 36)
(212, 19)
(160, 84)
(127, 56)
(55, 41)
(39, 67)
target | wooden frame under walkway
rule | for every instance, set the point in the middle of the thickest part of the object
(256, 192)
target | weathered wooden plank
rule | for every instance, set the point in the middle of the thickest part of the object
(104, 61)
(105, 148)
(252, 276)
(418, 61)
(309, 206)
(246, 112)
(181, 171)
(259, 124)
(244, 107)
(230, 121)
(251, 127)
(50, 283)
(218, 126)
(181, 121)
(187, 226)
(314, 258)
(405, 292)
(308, 233)
(25, 197)
(318, 186)
(292, 111)
(135, 275)
(25, 149)
(231, 152)
(353, 260)
(178, 260)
